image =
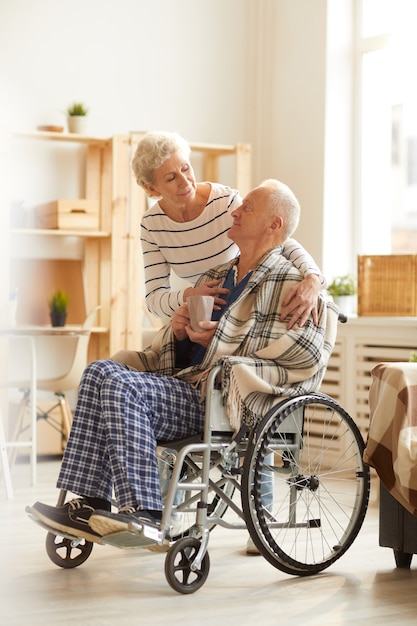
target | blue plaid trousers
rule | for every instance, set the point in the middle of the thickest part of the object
(119, 417)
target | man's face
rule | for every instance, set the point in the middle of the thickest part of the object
(251, 220)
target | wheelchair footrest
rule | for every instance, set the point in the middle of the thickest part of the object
(133, 539)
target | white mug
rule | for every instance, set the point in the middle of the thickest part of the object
(200, 309)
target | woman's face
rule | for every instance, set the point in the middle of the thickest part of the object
(174, 181)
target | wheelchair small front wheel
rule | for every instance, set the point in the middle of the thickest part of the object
(178, 566)
(67, 553)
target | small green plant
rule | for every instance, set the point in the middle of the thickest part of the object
(77, 108)
(413, 357)
(343, 286)
(58, 302)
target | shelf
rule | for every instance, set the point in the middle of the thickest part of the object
(92, 234)
(216, 149)
(46, 329)
(88, 263)
(101, 142)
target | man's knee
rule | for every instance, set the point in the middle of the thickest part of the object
(130, 358)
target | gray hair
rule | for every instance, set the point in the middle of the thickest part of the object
(283, 202)
(152, 151)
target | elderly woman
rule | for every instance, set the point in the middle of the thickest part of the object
(186, 230)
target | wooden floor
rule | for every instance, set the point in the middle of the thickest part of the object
(129, 587)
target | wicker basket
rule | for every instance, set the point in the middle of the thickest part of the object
(387, 285)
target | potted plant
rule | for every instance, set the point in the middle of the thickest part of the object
(343, 290)
(58, 304)
(77, 117)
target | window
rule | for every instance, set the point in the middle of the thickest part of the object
(388, 162)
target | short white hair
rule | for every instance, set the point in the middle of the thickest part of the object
(284, 203)
(153, 150)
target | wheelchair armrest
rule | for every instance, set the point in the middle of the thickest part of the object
(177, 444)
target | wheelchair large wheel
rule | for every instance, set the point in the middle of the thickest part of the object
(66, 552)
(305, 487)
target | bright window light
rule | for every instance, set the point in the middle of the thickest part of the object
(388, 127)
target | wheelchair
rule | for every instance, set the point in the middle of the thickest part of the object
(296, 481)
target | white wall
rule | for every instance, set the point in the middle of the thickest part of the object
(338, 217)
(138, 64)
(292, 133)
(218, 71)
(300, 121)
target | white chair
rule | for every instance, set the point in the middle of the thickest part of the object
(69, 380)
(72, 365)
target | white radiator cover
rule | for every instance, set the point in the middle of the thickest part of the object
(362, 343)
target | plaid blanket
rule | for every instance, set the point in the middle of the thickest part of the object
(260, 357)
(391, 447)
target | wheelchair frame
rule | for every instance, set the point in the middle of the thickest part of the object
(307, 451)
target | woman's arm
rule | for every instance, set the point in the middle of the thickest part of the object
(302, 260)
(301, 301)
(160, 300)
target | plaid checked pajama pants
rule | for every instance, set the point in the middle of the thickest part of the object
(120, 416)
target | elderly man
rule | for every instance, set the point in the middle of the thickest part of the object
(125, 407)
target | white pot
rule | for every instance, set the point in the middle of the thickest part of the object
(346, 304)
(77, 124)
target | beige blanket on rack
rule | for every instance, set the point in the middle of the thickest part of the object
(392, 440)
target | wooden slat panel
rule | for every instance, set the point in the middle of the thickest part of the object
(118, 258)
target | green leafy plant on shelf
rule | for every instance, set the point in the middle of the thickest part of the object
(77, 109)
(345, 285)
(58, 302)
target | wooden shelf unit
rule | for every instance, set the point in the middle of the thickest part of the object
(96, 275)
